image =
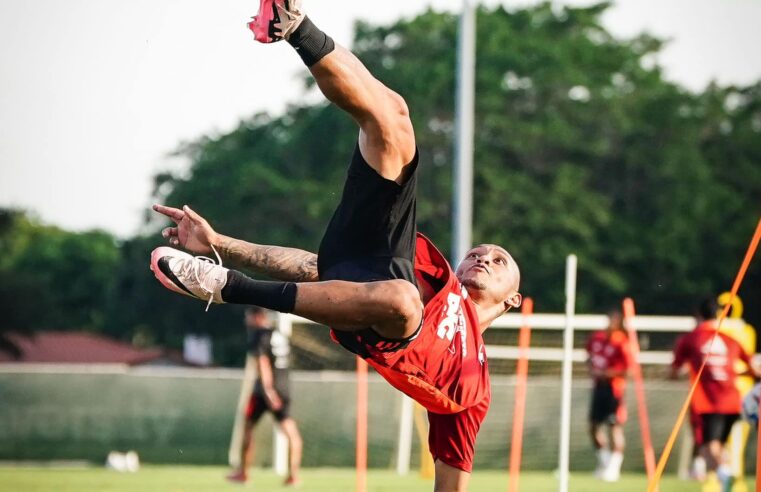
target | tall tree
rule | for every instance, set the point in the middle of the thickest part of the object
(582, 146)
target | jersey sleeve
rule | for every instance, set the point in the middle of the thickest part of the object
(680, 354)
(741, 353)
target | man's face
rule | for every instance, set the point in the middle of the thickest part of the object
(491, 275)
(257, 320)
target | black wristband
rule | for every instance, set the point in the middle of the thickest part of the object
(310, 42)
(278, 296)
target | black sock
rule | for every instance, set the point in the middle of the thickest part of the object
(311, 43)
(278, 296)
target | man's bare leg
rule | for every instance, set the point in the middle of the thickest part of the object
(449, 478)
(295, 445)
(386, 138)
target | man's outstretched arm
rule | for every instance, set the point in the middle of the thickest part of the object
(193, 233)
(278, 262)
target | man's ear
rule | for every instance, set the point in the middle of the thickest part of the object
(514, 301)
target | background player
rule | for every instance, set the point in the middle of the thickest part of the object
(609, 360)
(271, 352)
(745, 335)
(715, 406)
(389, 296)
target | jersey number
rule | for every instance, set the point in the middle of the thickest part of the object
(448, 326)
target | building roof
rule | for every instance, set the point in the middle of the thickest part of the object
(79, 347)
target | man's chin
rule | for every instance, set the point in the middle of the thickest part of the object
(473, 283)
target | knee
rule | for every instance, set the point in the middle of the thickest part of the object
(405, 300)
(398, 104)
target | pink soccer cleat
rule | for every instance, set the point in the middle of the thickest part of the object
(276, 20)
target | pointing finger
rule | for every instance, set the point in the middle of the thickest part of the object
(173, 213)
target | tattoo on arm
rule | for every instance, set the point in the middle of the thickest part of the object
(289, 264)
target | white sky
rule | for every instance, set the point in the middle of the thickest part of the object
(95, 93)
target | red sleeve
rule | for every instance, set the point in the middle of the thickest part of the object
(680, 357)
(741, 353)
(452, 437)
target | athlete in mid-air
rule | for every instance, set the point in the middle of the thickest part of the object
(386, 292)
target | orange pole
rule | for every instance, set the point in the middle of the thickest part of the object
(361, 425)
(653, 483)
(519, 410)
(639, 389)
(758, 461)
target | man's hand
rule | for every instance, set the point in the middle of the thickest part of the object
(192, 233)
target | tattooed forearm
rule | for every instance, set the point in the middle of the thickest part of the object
(289, 264)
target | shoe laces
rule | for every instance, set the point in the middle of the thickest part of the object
(201, 270)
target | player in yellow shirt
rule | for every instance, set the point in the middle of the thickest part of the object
(745, 335)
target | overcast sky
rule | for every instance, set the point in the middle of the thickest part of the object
(95, 93)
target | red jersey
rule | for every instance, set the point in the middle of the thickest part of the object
(444, 368)
(610, 352)
(717, 391)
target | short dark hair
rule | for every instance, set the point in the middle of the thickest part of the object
(708, 307)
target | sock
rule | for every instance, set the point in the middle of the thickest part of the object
(603, 456)
(724, 473)
(311, 43)
(615, 461)
(278, 296)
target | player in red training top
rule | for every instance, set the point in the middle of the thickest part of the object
(716, 403)
(387, 293)
(609, 360)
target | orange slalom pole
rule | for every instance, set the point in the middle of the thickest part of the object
(653, 483)
(639, 389)
(521, 381)
(361, 459)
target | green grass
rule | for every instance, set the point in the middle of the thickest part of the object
(207, 478)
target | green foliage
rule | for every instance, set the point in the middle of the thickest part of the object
(581, 146)
(52, 279)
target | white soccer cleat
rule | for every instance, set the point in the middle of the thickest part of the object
(194, 276)
(612, 472)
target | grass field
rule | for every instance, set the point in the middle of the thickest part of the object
(205, 479)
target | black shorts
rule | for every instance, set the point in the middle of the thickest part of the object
(605, 406)
(371, 237)
(258, 404)
(717, 426)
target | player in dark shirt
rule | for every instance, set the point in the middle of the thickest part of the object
(270, 350)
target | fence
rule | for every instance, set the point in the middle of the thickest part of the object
(186, 416)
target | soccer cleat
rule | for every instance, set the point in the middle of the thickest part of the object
(194, 276)
(276, 20)
(292, 482)
(237, 477)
